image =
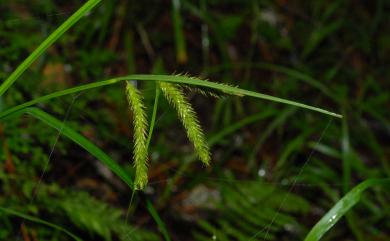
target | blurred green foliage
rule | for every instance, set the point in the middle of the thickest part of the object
(275, 170)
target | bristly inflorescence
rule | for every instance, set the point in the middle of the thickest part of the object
(140, 156)
(187, 115)
(208, 91)
(175, 96)
(201, 91)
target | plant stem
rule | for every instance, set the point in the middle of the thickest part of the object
(153, 120)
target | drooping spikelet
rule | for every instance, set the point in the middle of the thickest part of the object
(201, 91)
(140, 154)
(189, 119)
(222, 87)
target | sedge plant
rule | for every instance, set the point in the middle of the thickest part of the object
(167, 84)
(171, 87)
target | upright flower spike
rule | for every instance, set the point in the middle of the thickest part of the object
(140, 153)
(189, 119)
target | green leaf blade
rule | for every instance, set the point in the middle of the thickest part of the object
(341, 208)
(89, 5)
(80, 140)
(39, 221)
(166, 78)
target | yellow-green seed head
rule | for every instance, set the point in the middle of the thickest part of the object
(140, 152)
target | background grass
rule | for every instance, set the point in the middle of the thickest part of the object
(275, 170)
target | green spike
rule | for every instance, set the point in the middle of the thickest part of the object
(189, 119)
(140, 154)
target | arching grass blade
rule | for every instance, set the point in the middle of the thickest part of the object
(80, 140)
(178, 79)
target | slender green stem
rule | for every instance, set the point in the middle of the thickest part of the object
(46, 44)
(181, 52)
(130, 203)
(157, 219)
(153, 120)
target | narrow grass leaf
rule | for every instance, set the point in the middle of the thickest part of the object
(78, 139)
(89, 5)
(157, 219)
(228, 89)
(168, 78)
(217, 137)
(318, 35)
(40, 221)
(342, 207)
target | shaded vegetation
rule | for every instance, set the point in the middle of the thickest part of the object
(274, 169)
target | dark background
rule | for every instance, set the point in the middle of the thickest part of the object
(275, 169)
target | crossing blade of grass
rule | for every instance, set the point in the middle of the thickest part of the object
(318, 35)
(78, 139)
(293, 73)
(280, 120)
(157, 219)
(178, 79)
(291, 148)
(89, 5)
(217, 137)
(37, 220)
(342, 207)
